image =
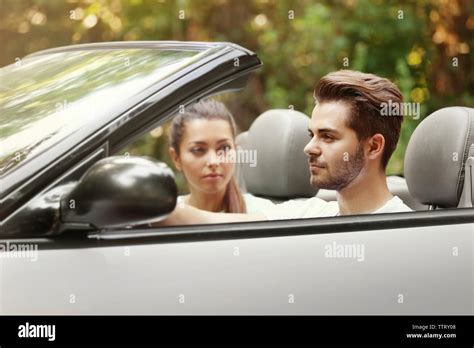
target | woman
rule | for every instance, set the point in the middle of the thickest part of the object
(199, 139)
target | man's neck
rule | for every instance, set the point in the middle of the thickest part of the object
(206, 201)
(364, 195)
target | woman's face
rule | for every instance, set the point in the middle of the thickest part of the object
(203, 140)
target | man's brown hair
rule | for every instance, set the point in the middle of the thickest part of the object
(365, 93)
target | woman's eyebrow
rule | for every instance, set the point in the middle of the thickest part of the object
(222, 140)
(201, 142)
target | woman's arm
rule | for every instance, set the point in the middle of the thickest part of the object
(185, 214)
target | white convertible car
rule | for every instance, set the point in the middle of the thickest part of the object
(66, 241)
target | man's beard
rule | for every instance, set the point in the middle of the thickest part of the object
(342, 174)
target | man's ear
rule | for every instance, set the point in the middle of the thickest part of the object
(376, 146)
(176, 160)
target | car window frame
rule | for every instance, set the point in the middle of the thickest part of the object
(148, 113)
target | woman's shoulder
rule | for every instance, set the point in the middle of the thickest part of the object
(181, 198)
(256, 204)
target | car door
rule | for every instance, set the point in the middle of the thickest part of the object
(404, 263)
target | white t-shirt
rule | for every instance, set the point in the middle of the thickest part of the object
(252, 203)
(316, 207)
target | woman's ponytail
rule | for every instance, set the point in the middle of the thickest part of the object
(233, 199)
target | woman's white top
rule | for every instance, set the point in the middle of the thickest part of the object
(254, 204)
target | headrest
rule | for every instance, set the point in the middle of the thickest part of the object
(278, 136)
(241, 142)
(436, 156)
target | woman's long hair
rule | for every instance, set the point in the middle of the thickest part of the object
(209, 109)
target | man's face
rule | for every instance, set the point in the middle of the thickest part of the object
(336, 157)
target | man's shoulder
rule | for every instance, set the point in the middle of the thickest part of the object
(394, 205)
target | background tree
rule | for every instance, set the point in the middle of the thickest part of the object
(424, 46)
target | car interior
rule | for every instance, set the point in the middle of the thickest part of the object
(431, 180)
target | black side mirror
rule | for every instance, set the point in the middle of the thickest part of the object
(120, 191)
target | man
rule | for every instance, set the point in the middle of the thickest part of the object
(350, 145)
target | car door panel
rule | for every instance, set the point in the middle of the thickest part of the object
(402, 271)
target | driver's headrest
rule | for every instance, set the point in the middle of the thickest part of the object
(281, 171)
(437, 156)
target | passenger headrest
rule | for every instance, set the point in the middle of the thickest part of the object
(241, 142)
(278, 136)
(437, 156)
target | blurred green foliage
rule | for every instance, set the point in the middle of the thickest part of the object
(424, 46)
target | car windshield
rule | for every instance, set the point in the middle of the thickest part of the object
(47, 97)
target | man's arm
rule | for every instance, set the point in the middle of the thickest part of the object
(187, 215)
